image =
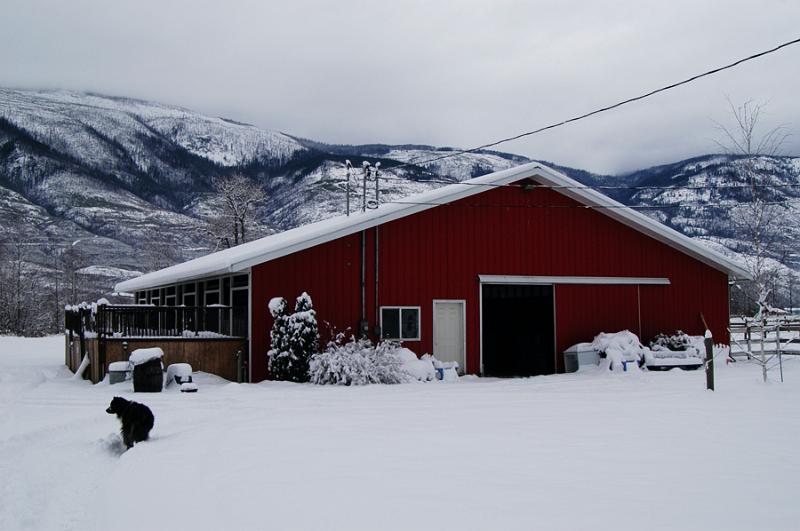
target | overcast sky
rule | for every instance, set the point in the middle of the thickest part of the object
(456, 73)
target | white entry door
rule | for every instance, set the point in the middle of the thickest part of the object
(448, 332)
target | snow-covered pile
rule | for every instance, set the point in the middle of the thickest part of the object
(663, 345)
(188, 387)
(420, 369)
(623, 349)
(620, 348)
(143, 355)
(678, 350)
(445, 370)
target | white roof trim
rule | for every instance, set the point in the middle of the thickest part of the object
(515, 279)
(243, 257)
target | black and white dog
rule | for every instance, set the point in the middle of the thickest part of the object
(137, 420)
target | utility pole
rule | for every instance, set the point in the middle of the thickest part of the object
(369, 172)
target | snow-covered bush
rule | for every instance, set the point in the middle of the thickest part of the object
(619, 347)
(387, 364)
(357, 362)
(294, 339)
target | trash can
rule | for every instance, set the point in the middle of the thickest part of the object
(148, 377)
(580, 355)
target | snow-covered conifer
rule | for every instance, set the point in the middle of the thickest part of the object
(280, 356)
(303, 338)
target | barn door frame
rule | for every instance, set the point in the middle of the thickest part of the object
(510, 280)
(554, 281)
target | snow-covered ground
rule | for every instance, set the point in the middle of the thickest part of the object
(588, 450)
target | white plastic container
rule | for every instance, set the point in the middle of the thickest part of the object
(580, 355)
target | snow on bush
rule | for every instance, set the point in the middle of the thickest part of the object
(294, 339)
(619, 347)
(388, 365)
(358, 362)
(276, 306)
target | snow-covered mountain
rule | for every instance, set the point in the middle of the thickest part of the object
(126, 182)
(702, 197)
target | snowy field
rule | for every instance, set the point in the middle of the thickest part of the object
(589, 450)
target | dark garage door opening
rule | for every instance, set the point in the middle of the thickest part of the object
(518, 330)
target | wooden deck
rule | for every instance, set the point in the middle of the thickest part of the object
(212, 355)
(109, 334)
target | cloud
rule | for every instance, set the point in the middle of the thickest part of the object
(446, 73)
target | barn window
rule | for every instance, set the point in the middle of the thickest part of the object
(400, 322)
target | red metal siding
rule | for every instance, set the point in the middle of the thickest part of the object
(439, 253)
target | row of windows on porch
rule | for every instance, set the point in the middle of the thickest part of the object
(230, 294)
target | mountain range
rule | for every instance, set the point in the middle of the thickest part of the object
(127, 184)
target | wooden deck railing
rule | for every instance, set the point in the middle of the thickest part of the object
(159, 321)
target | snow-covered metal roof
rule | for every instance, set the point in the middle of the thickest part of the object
(241, 258)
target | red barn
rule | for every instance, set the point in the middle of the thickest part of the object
(501, 273)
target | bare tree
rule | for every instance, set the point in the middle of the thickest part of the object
(239, 198)
(159, 255)
(21, 282)
(71, 260)
(759, 219)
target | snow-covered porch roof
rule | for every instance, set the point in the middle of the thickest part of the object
(241, 258)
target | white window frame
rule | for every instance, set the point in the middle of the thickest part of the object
(184, 294)
(400, 317)
(239, 288)
(218, 291)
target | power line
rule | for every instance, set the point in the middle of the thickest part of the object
(606, 187)
(587, 207)
(713, 71)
